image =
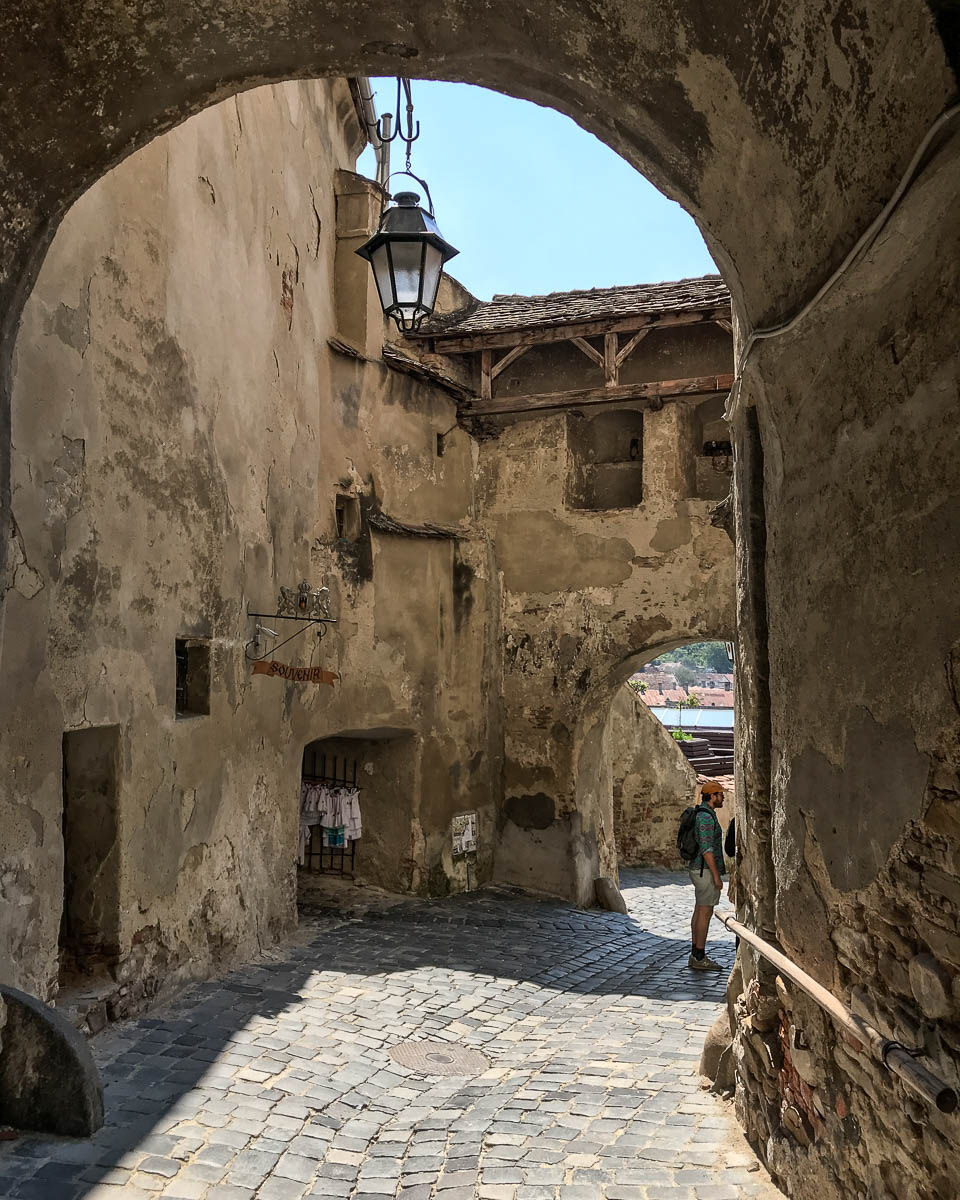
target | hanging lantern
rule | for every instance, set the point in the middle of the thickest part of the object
(407, 254)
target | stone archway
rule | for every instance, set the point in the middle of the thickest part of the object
(783, 131)
(710, 108)
(592, 770)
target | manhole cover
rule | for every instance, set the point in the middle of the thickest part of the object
(439, 1058)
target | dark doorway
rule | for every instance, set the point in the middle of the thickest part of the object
(90, 926)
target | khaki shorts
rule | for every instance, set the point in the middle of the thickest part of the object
(707, 892)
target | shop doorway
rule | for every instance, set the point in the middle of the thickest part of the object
(358, 810)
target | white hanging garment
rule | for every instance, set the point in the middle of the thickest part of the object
(352, 826)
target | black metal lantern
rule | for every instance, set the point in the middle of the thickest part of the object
(407, 254)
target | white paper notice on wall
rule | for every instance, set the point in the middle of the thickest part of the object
(463, 832)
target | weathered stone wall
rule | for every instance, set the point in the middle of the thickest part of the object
(182, 432)
(586, 595)
(652, 784)
(851, 856)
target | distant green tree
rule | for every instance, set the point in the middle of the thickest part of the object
(716, 657)
(703, 655)
(685, 676)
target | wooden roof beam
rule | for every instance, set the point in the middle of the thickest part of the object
(510, 357)
(625, 351)
(651, 393)
(585, 348)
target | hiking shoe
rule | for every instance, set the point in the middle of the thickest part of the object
(703, 964)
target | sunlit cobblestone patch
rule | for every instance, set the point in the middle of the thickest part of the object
(277, 1081)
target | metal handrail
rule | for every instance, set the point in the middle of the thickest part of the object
(892, 1054)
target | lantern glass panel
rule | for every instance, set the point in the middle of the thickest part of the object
(432, 269)
(380, 261)
(407, 264)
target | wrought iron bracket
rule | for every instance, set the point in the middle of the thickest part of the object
(305, 605)
(286, 617)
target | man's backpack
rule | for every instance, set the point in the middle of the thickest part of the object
(687, 842)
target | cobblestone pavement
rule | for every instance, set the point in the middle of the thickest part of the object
(277, 1081)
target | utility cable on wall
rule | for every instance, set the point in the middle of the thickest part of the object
(860, 247)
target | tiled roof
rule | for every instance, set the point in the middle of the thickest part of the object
(652, 698)
(504, 313)
(713, 697)
(725, 781)
(657, 679)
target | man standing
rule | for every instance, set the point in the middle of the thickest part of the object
(706, 871)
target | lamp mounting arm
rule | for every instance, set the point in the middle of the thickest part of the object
(412, 131)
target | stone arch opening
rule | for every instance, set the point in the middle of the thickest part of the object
(602, 724)
(682, 100)
(668, 729)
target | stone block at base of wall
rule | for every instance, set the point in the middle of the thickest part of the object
(48, 1079)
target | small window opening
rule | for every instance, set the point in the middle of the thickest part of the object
(606, 460)
(348, 518)
(440, 445)
(193, 677)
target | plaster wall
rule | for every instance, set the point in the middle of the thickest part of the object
(852, 862)
(182, 431)
(783, 128)
(585, 597)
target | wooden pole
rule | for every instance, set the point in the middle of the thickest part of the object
(891, 1054)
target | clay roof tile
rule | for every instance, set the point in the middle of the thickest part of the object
(505, 313)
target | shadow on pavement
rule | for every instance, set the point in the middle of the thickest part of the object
(162, 1059)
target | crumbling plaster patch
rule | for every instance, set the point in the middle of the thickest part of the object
(538, 554)
(579, 605)
(858, 809)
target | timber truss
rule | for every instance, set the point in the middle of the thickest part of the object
(618, 339)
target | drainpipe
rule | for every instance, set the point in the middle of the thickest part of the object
(894, 1056)
(369, 113)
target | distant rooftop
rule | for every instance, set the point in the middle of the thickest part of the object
(505, 313)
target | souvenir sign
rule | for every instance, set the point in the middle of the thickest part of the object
(295, 674)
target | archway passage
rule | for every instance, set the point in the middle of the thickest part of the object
(358, 810)
(671, 727)
(784, 134)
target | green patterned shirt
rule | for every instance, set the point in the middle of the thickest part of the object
(709, 837)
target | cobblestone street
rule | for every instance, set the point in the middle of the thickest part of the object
(278, 1082)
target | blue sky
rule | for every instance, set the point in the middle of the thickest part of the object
(533, 202)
